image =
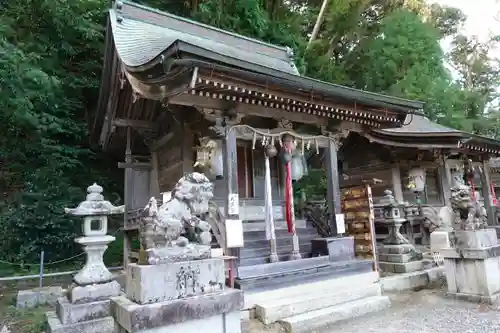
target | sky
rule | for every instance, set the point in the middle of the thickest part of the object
(481, 17)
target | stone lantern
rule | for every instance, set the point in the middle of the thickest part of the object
(87, 305)
(397, 254)
(95, 211)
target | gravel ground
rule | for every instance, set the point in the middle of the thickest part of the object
(425, 311)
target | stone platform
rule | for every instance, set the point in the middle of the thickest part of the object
(399, 259)
(85, 309)
(473, 266)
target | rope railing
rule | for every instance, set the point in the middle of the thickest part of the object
(21, 264)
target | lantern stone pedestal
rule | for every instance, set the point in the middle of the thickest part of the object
(86, 307)
(472, 266)
(397, 255)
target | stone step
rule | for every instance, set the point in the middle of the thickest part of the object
(282, 240)
(278, 225)
(311, 287)
(274, 310)
(248, 252)
(292, 278)
(322, 318)
(280, 267)
(261, 234)
(265, 259)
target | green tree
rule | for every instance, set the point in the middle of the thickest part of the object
(50, 63)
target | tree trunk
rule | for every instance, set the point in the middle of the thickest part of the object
(318, 23)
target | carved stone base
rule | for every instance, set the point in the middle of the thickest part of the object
(148, 284)
(177, 253)
(216, 313)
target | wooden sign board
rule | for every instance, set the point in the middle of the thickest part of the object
(359, 215)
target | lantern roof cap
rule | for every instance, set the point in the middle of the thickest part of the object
(95, 205)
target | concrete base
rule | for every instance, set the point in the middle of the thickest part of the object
(413, 280)
(31, 298)
(404, 267)
(214, 313)
(399, 259)
(101, 325)
(473, 267)
(76, 313)
(93, 292)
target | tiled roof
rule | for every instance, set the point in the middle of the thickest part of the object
(140, 36)
(418, 124)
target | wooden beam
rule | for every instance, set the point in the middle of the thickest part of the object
(248, 109)
(162, 141)
(134, 123)
(134, 165)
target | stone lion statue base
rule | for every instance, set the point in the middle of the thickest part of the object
(164, 230)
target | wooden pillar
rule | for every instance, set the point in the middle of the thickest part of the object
(154, 186)
(232, 201)
(396, 183)
(486, 193)
(333, 189)
(126, 199)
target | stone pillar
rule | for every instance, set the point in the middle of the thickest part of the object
(87, 306)
(333, 186)
(397, 254)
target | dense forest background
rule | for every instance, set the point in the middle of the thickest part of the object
(50, 63)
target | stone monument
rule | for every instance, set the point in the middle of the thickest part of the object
(87, 307)
(397, 254)
(178, 286)
(472, 263)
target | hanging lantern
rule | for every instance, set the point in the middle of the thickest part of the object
(209, 158)
(417, 179)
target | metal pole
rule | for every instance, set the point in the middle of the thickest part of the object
(42, 254)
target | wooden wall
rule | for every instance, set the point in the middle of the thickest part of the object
(175, 158)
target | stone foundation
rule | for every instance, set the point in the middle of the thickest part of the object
(85, 309)
(216, 313)
(399, 259)
(473, 266)
(184, 296)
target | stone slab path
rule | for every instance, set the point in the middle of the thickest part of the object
(425, 311)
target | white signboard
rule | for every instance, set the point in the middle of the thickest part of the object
(234, 233)
(339, 220)
(234, 204)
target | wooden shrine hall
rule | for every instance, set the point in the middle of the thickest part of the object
(169, 83)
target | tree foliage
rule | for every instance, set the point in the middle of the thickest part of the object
(51, 55)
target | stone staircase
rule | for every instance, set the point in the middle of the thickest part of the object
(315, 305)
(257, 248)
